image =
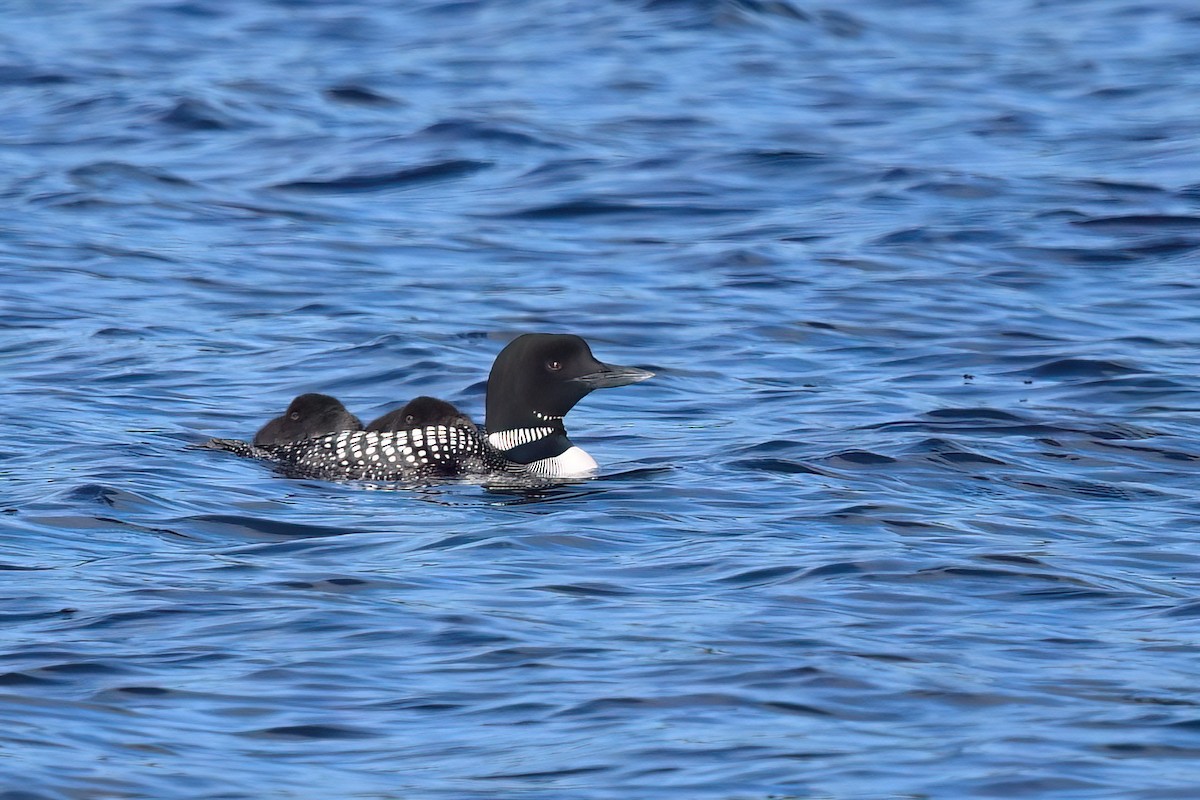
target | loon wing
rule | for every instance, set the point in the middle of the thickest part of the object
(236, 446)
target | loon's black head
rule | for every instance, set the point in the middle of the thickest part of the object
(422, 412)
(539, 377)
(308, 416)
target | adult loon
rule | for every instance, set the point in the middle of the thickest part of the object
(535, 380)
(421, 412)
(307, 416)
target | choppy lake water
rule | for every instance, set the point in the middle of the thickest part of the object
(911, 509)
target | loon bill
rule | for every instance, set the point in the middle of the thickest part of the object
(534, 382)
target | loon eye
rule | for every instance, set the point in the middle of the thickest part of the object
(553, 365)
(295, 415)
(408, 419)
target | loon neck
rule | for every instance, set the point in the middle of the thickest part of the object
(533, 443)
(507, 416)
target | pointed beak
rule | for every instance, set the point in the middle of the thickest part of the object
(610, 375)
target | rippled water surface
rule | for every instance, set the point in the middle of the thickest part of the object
(911, 509)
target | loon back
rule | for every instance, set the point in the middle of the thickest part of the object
(435, 451)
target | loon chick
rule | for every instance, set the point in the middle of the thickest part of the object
(308, 416)
(421, 412)
(536, 379)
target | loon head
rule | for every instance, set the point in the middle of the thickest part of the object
(424, 411)
(534, 382)
(308, 416)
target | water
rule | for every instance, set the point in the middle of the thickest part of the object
(909, 511)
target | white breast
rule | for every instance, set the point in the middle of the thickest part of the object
(571, 463)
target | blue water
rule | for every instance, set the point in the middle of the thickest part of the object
(911, 509)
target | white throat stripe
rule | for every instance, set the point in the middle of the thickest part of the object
(507, 440)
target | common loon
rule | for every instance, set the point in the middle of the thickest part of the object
(535, 380)
(421, 412)
(308, 416)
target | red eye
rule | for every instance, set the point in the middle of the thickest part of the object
(294, 415)
(553, 366)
